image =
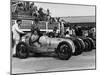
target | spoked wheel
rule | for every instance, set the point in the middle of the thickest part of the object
(64, 51)
(21, 50)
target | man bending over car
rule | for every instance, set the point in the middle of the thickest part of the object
(16, 34)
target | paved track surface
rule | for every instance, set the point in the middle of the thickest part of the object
(49, 63)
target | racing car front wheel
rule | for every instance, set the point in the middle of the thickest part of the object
(21, 50)
(64, 50)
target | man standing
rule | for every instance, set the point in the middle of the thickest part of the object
(16, 34)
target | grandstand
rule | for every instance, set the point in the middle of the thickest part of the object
(28, 20)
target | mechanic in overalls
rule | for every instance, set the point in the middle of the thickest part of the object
(16, 34)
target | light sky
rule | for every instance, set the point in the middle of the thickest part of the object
(61, 10)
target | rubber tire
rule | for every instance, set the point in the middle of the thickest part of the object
(92, 43)
(20, 55)
(88, 45)
(65, 56)
(82, 43)
(78, 47)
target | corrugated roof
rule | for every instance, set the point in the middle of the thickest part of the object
(79, 19)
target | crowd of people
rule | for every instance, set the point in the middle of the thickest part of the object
(31, 10)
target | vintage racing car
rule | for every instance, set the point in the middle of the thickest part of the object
(64, 48)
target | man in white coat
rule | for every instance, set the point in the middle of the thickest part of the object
(16, 34)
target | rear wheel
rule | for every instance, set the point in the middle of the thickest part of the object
(22, 50)
(64, 51)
